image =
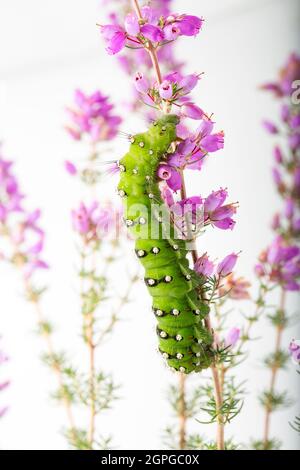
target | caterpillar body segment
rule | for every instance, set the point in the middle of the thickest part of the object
(183, 339)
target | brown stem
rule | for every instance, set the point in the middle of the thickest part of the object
(88, 330)
(91, 347)
(274, 371)
(215, 373)
(182, 412)
(150, 48)
(137, 9)
(55, 366)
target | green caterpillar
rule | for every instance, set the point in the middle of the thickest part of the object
(184, 341)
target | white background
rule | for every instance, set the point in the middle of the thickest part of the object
(49, 48)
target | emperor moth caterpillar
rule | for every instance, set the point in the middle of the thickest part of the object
(184, 341)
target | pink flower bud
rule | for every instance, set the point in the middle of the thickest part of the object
(204, 266)
(227, 264)
(188, 83)
(278, 157)
(275, 225)
(270, 127)
(141, 83)
(166, 90)
(232, 337)
(167, 196)
(70, 168)
(285, 112)
(289, 208)
(132, 25)
(259, 270)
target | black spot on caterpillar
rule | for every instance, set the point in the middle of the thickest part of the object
(183, 338)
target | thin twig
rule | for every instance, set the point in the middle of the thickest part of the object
(54, 365)
(182, 412)
(274, 371)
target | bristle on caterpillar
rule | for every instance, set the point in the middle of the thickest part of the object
(184, 341)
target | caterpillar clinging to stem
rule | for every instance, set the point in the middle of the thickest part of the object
(184, 341)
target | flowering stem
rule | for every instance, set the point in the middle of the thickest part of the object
(182, 412)
(56, 367)
(274, 370)
(214, 370)
(88, 329)
(150, 48)
(217, 387)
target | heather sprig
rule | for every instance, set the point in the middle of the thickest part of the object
(93, 121)
(166, 92)
(98, 231)
(22, 243)
(279, 264)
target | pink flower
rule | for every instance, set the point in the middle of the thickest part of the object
(171, 32)
(259, 270)
(270, 127)
(132, 25)
(192, 111)
(281, 264)
(115, 38)
(166, 90)
(189, 25)
(278, 157)
(170, 175)
(276, 222)
(287, 76)
(227, 264)
(294, 350)
(232, 337)
(294, 141)
(153, 33)
(289, 208)
(70, 168)
(93, 116)
(167, 196)
(188, 83)
(141, 83)
(235, 288)
(215, 200)
(213, 142)
(204, 266)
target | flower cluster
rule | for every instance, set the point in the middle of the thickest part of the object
(150, 31)
(137, 32)
(206, 268)
(92, 116)
(3, 384)
(201, 212)
(174, 89)
(280, 264)
(283, 87)
(19, 226)
(235, 288)
(95, 222)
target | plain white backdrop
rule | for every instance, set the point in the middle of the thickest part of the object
(48, 49)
